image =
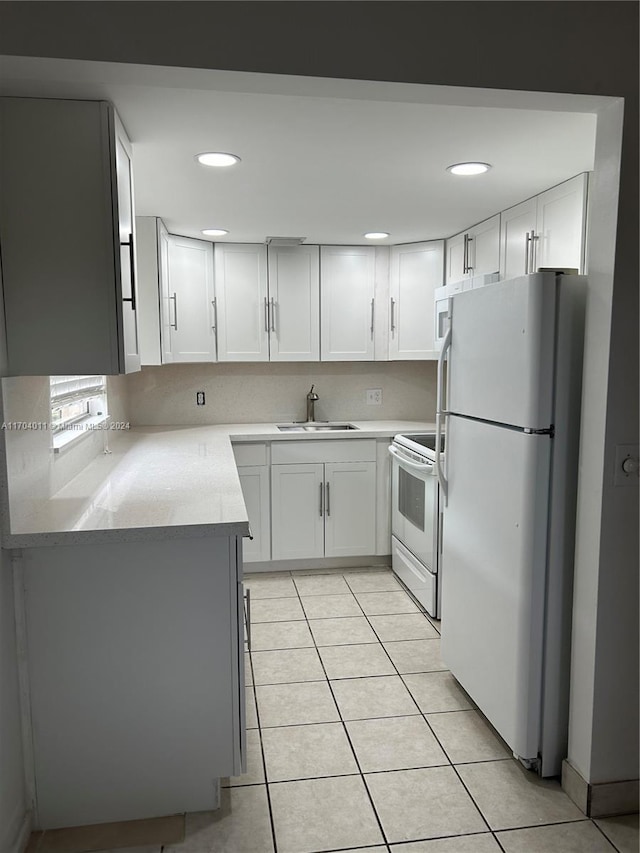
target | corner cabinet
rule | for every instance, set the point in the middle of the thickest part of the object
(71, 306)
(347, 285)
(323, 499)
(415, 272)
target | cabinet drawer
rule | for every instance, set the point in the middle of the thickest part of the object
(349, 450)
(250, 454)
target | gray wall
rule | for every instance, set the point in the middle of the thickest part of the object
(579, 47)
(13, 797)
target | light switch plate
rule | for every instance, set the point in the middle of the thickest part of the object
(374, 397)
(627, 457)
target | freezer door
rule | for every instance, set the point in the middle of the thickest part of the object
(493, 574)
(502, 352)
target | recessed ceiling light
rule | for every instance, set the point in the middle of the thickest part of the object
(376, 235)
(217, 158)
(468, 168)
(214, 232)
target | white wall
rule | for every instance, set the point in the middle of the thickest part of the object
(241, 393)
(34, 472)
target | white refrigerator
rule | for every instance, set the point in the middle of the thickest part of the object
(514, 380)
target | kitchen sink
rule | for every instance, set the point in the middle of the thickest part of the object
(314, 427)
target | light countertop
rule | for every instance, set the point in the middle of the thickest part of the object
(169, 482)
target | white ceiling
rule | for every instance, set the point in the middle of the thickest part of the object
(325, 160)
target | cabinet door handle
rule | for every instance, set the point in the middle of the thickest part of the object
(132, 268)
(527, 252)
(393, 321)
(174, 299)
(214, 305)
(465, 248)
(321, 499)
(247, 598)
(534, 238)
(469, 267)
(328, 500)
(373, 308)
(273, 314)
(266, 314)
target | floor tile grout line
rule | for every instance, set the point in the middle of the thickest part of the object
(351, 746)
(602, 832)
(423, 715)
(433, 732)
(264, 763)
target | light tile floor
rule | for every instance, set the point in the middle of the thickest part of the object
(359, 740)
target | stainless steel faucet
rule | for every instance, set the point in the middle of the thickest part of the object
(311, 404)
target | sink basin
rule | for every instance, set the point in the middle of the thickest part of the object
(314, 427)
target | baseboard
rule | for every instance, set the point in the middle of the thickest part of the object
(603, 799)
(322, 563)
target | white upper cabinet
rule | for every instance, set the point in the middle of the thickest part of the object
(560, 228)
(191, 306)
(518, 223)
(126, 229)
(70, 302)
(547, 231)
(416, 270)
(242, 301)
(166, 302)
(474, 252)
(294, 303)
(347, 277)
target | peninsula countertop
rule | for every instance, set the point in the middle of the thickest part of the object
(165, 482)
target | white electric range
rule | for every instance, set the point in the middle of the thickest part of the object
(416, 518)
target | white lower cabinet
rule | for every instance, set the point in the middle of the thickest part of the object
(350, 509)
(254, 480)
(136, 690)
(297, 505)
(323, 508)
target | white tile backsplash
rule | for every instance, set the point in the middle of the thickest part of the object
(266, 393)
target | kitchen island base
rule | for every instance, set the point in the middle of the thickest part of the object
(133, 657)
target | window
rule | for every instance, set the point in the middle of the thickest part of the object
(78, 404)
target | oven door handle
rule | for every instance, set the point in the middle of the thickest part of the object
(418, 466)
(440, 414)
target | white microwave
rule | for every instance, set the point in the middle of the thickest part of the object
(442, 295)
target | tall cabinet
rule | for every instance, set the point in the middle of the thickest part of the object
(71, 300)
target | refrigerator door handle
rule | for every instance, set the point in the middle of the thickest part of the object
(440, 413)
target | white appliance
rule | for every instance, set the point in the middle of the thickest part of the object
(415, 518)
(443, 294)
(509, 489)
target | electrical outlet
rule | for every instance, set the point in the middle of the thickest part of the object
(374, 397)
(199, 398)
